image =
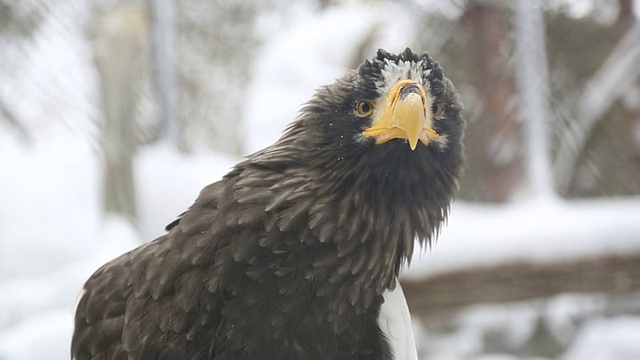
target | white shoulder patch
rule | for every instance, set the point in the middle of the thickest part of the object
(395, 323)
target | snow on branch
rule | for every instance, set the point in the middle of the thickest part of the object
(611, 80)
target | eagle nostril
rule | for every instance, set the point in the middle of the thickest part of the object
(409, 89)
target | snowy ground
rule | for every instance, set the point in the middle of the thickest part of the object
(567, 327)
(52, 234)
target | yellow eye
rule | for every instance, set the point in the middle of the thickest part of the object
(364, 108)
(437, 109)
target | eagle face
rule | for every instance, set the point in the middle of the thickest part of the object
(293, 253)
(390, 106)
(387, 136)
(407, 101)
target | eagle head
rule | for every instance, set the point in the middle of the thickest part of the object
(382, 149)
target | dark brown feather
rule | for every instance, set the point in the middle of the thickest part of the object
(288, 255)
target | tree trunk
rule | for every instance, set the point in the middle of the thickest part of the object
(493, 143)
(120, 39)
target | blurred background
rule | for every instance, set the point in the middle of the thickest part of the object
(114, 114)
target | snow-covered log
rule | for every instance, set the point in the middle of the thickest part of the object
(448, 293)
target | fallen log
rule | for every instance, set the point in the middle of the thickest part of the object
(448, 293)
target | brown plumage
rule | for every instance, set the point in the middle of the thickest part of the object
(288, 256)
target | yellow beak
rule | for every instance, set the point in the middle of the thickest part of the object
(403, 114)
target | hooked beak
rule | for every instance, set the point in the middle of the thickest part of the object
(405, 114)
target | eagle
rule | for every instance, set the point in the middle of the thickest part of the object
(295, 253)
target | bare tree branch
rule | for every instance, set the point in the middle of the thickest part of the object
(453, 291)
(12, 119)
(611, 80)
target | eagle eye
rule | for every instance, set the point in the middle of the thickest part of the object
(437, 109)
(364, 108)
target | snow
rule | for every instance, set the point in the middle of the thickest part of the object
(574, 321)
(313, 45)
(468, 340)
(40, 185)
(533, 230)
(310, 54)
(616, 338)
(169, 182)
(53, 234)
(48, 337)
(54, 68)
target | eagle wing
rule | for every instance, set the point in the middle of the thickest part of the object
(186, 294)
(152, 301)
